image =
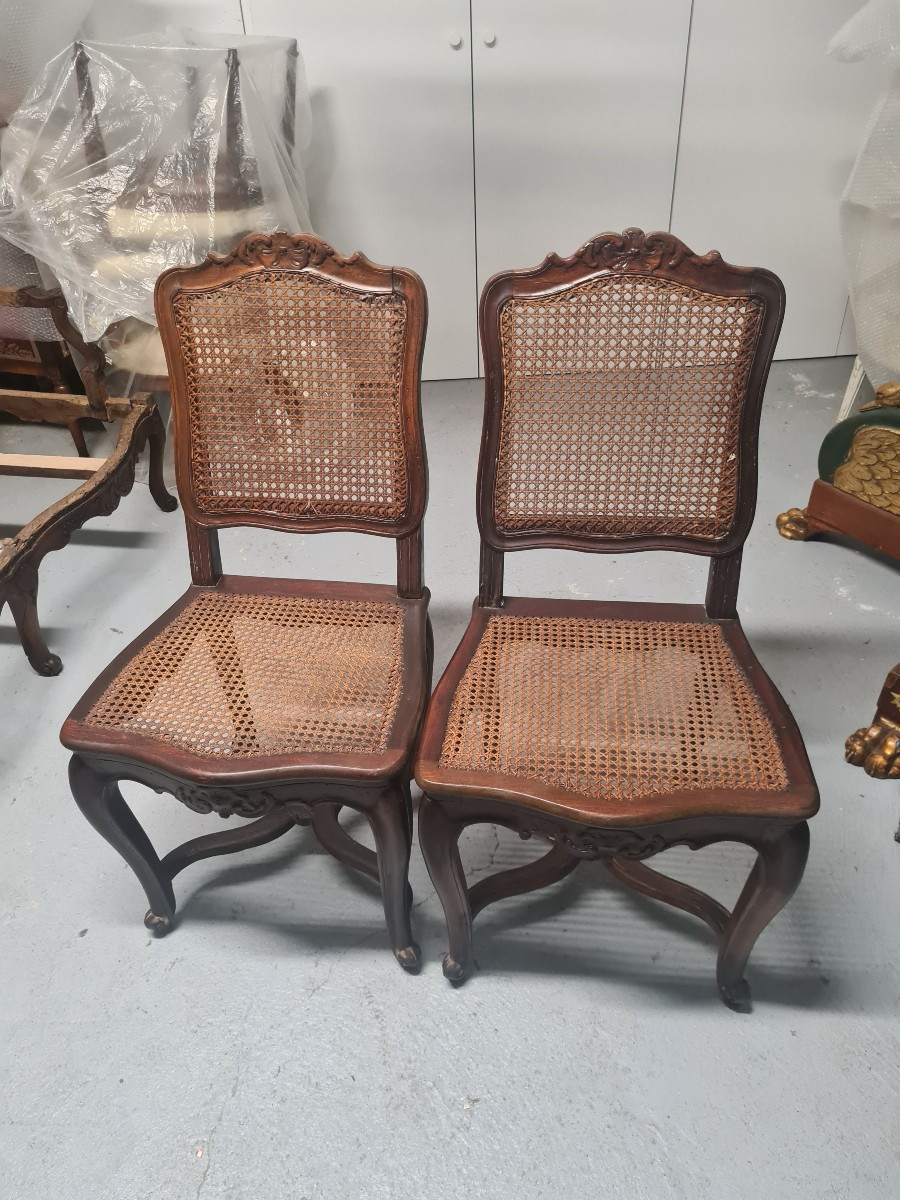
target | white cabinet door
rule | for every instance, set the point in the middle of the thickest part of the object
(770, 130)
(576, 121)
(390, 168)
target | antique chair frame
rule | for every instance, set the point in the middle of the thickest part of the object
(776, 829)
(106, 480)
(300, 789)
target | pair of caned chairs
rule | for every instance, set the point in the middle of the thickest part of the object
(623, 392)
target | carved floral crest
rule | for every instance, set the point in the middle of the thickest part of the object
(635, 249)
(298, 250)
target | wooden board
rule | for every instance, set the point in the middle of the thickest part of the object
(53, 466)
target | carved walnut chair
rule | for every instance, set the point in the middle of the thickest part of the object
(623, 392)
(295, 382)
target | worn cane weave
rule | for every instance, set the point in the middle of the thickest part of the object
(234, 676)
(622, 400)
(611, 709)
(293, 387)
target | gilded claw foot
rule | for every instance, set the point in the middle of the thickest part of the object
(793, 524)
(876, 750)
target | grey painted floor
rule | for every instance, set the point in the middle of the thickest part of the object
(270, 1047)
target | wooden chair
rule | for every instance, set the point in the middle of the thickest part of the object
(623, 391)
(295, 383)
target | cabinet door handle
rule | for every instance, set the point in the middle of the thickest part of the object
(490, 38)
(455, 41)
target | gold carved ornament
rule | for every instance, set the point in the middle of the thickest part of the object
(871, 471)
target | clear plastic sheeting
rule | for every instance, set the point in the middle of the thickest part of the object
(870, 205)
(124, 160)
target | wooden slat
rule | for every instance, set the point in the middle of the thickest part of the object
(56, 406)
(53, 466)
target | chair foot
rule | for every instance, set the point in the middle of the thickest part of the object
(158, 925)
(439, 838)
(409, 958)
(775, 877)
(102, 804)
(455, 971)
(737, 996)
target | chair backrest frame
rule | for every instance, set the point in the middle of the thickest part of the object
(660, 256)
(308, 256)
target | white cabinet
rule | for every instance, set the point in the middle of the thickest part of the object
(576, 121)
(390, 169)
(461, 137)
(770, 130)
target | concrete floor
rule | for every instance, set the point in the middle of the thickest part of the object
(271, 1048)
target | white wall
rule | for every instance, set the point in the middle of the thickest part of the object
(769, 132)
(390, 169)
(576, 121)
(119, 18)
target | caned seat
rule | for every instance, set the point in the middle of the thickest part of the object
(295, 376)
(286, 676)
(622, 395)
(603, 717)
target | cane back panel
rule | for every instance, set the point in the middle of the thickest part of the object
(620, 407)
(293, 389)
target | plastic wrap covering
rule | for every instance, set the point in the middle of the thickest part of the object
(124, 160)
(32, 32)
(870, 205)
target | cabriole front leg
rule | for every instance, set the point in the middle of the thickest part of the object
(439, 839)
(775, 877)
(22, 601)
(391, 827)
(100, 800)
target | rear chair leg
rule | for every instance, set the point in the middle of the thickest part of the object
(101, 802)
(439, 838)
(156, 439)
